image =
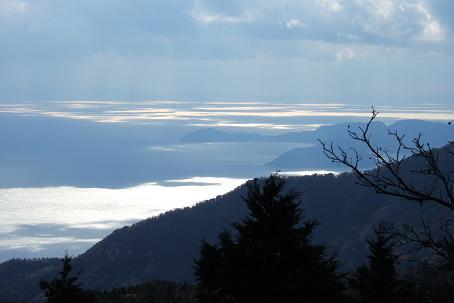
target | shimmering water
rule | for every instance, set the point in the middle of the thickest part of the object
(47, 221)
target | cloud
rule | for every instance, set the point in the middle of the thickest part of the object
(432, 32)
(404, 21)
(208, 12)
(331, 5)
(348, 37)
(383, 8)
(344, 54)
(401, 22)
(219, 18)
(295, 23)
(431, 28)
(13, 7)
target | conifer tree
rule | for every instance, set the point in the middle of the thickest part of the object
(65, 288)
(379, 282)
(269, 257)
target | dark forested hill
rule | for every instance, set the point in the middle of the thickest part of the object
(19, 278)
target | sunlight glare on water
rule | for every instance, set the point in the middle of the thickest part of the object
(94, 208)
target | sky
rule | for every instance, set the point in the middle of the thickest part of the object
(350, 51)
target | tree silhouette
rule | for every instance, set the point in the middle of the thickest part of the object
(270, 258)
(65, 289)
(379, 282)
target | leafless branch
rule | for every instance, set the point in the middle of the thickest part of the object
(424, 236)
(388, 177)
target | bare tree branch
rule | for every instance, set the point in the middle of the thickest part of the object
(424, 236)
(391, 177)
(387, 177)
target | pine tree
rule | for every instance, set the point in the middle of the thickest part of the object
(377, 282)
(65, 289)
(270, 257)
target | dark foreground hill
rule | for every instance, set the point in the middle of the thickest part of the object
(163, 247)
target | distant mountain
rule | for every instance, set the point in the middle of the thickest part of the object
(309, 158)
(163, 247)
(435, 133)
(210, 135)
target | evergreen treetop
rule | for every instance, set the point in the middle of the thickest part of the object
(269, 257)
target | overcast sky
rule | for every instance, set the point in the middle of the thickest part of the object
(361, 51)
